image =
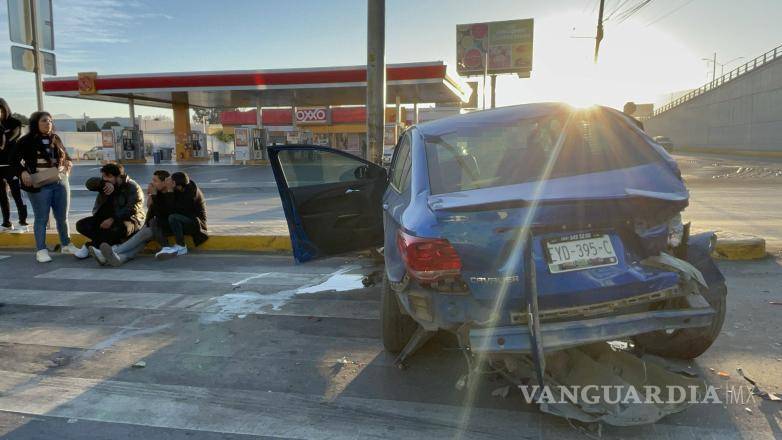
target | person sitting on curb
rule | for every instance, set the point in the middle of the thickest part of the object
(188, 216)
(117, 214)
(160, 198)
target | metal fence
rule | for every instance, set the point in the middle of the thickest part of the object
(730, 76)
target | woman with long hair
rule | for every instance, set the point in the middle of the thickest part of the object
(40, 151)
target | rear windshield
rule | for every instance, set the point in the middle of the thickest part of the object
(475, 157)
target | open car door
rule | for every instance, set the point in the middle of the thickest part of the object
(332, 200)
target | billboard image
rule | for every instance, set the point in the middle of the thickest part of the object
(507, 45)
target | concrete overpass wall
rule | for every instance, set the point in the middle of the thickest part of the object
(744, 114)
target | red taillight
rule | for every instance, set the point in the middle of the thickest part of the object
(428, 259)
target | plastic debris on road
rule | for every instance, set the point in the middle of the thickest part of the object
(774, 397)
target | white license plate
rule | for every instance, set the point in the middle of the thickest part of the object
(580, 251)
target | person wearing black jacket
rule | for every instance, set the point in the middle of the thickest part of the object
(118, 211)
(10, 131)
(40, 151)
(188, 216)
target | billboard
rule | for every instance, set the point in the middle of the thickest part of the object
(506, 45)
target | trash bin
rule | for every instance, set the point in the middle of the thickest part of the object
(216, 156)
(156, 157)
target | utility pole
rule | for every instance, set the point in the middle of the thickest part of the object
(599, 36)
(38, 65)
(376, 79)
(485, 73)
(714, 68)
(493, 88)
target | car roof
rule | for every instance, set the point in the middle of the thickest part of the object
(498, 116)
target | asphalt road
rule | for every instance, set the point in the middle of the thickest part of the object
(253, 346)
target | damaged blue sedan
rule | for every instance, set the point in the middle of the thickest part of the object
(522, 230)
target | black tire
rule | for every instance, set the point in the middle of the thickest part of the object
(396, 327)
(688, 343)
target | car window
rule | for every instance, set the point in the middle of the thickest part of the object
(408, 165)
(317, 167)
(485, 156)
(401, 158)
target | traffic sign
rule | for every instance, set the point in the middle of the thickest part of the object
(23, 58)
(19, 23)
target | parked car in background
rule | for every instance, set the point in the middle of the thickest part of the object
(665, 142)
(94, 153)
(538, 226)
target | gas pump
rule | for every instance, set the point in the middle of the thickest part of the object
(258, 143)
(197, 144)
(132, 144)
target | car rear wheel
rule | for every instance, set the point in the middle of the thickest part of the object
(688, 343)
(396, 327)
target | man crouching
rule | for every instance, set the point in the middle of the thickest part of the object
(118, 211)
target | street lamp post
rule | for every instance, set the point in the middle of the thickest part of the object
(714, 63)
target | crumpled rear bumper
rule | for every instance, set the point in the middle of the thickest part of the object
(562, 335)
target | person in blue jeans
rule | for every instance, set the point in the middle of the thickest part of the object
(39, 149)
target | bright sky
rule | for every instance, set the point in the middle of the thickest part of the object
(639, 61)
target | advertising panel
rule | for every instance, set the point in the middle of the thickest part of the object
(242, 144)
(506, 44)
(107, 138)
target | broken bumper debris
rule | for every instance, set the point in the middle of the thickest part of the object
(561, 335)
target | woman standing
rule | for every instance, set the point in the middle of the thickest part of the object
(10, 129)
(40, 151)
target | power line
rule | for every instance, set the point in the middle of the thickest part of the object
(631, 11)
(687, 2)
(616, 9)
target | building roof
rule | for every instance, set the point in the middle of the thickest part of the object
(412, 82)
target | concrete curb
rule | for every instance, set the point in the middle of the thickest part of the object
(729, 151)
(739, 247)
(221, 243)
(728, 247)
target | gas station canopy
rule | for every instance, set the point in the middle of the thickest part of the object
(411, 83)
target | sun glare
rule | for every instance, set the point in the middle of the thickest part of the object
(636, 63)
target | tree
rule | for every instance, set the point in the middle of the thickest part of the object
(22, 118)
(212, 114)
(224, 137)
(91, 126)
(108, 124)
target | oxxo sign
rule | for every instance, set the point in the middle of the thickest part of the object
(314, 115)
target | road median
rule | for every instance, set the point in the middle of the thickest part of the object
(732, 246)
